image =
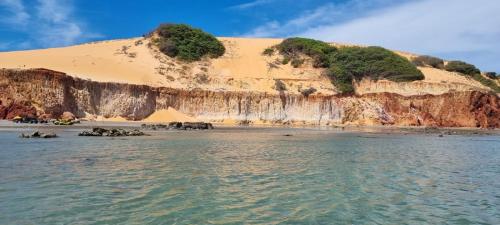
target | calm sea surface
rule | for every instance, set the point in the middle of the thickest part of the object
(250, 176)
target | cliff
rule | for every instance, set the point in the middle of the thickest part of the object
(51, 93)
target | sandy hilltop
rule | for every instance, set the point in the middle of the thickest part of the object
(237, 87)
(242, 68)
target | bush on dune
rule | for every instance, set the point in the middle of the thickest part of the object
(462, 67)
(473, 72)
(268, 52)
(486, 82)
(431, 61)
(491, 75)
(341, 79)
(347, 64)
(317, 50)
(187, 43)
(376, 63)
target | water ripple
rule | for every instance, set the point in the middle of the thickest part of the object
(251, 176)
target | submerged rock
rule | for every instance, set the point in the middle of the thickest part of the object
(179, 126)
(99, 132)
(38, 134)
(197, 126)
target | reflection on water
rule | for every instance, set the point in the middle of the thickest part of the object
(256, 176)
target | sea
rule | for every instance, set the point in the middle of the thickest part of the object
(250, 175)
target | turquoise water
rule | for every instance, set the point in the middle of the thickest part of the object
(250, 176)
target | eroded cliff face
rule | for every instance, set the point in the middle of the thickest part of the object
(51, 92)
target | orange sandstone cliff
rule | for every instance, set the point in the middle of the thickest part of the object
(41, 91)
(130, 79)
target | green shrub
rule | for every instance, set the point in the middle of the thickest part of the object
(268, 51)
(296, 62)
(187, 43)
(168, 47)
(340, 78)
(375, 62)
(308, 91)
(486, 82)
(474, 73)
(348, 63)
(462, 67)
(426, 60)
(317, 50)
(491, 75)
(285, 60)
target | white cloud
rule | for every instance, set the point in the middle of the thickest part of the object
(275, 28)
(325, 14)
(454, 29)
(251, 4)
(17, 14)
(458, 25)
(58, 25)
(445, 27)
(52, 23)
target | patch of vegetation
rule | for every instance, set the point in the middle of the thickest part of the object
(319, 51)
(473, 72)
(351, 63)
(431, 61)
(375, 62)
(285, 60)
(486, 82)
(268, 52)
(341, 79)
(279, 85)
(308, 91)
(296, 63)
(347, 64)
(491, 75)
(462, 67)
(187, 43)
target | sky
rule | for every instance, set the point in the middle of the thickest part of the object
(452, 29)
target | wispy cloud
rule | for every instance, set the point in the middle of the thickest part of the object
(51, 23)
(58, 24)
(251, 4)
(328, 13)
(462, 29)
(16, 12)
(446, 28)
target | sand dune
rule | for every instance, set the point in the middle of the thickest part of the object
(242, 68)
(169, 115)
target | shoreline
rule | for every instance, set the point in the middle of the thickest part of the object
(5, 124)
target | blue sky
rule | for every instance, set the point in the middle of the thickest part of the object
(452, 29)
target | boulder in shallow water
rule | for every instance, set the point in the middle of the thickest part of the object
(197, 126)
(135, 133)
(179, 126)
(99, 132)
(38, 134)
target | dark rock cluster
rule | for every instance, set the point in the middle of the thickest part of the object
(179, 126)
(99, 132)
(38, 134)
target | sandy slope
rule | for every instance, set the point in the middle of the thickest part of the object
(242, 68)
(169, 115)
